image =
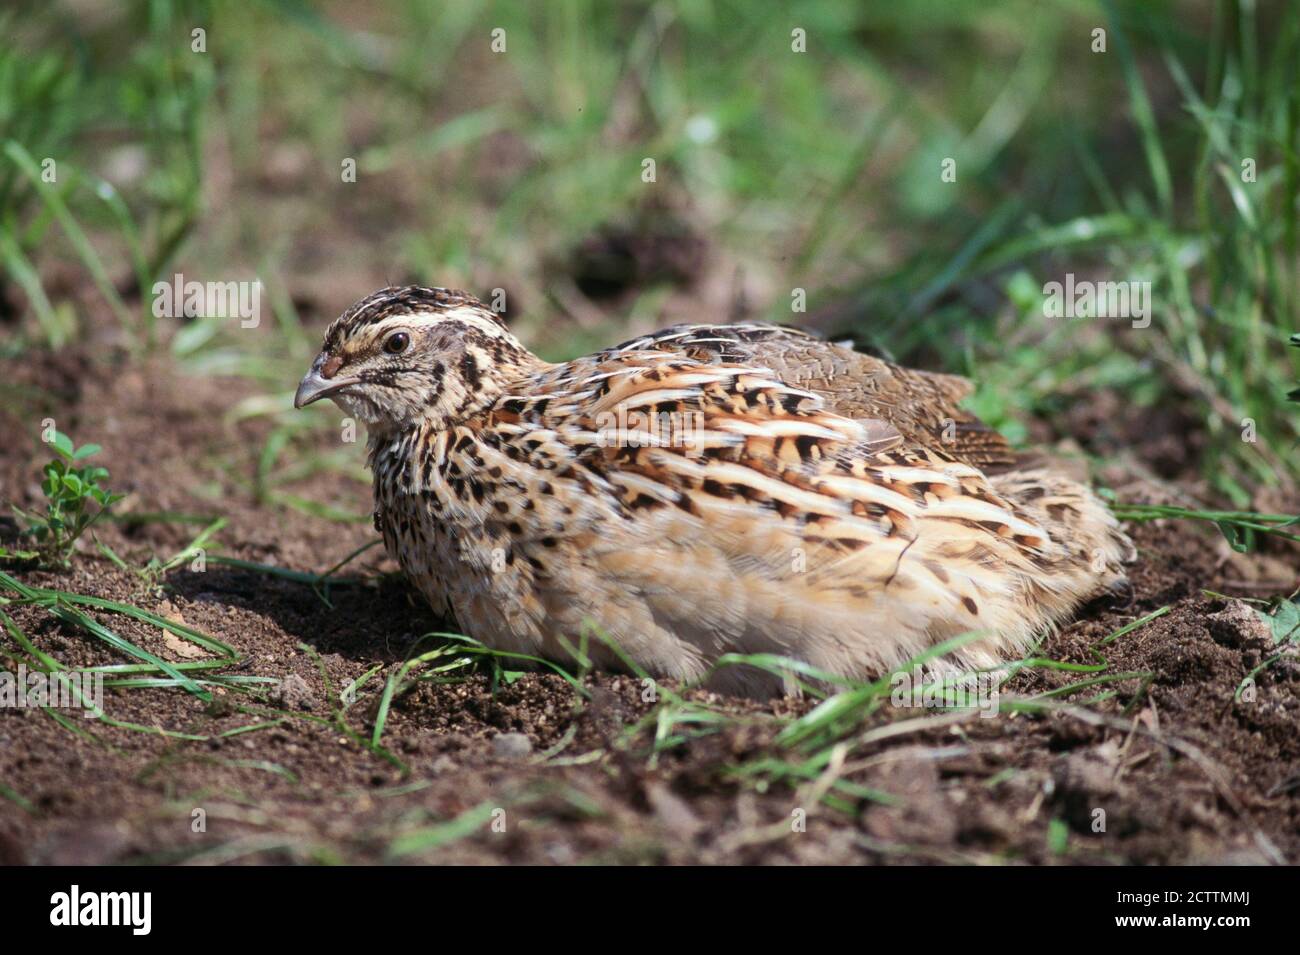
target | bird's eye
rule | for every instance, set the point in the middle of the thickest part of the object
(397, 343)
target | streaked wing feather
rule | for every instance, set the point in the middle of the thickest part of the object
(923, 406)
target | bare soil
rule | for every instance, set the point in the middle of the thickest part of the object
(1181, 771)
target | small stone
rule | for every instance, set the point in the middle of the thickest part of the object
(1239, 625)
(442, 765)
(511, 745)
(673, 812)
(559, 853)
(292, 692)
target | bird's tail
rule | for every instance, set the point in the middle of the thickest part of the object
(1093, 548)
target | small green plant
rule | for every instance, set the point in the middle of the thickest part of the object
(75, 499)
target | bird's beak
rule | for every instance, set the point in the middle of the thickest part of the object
(320, 382)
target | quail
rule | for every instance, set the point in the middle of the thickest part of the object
(701, 491)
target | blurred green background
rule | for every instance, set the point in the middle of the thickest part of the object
(522, 169)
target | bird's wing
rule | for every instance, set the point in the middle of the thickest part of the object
(923, 406)
(714, 508)
(741, 431)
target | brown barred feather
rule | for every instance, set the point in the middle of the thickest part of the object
(923, 405)
(702, 491)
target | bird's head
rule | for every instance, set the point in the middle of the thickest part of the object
(404, 356)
